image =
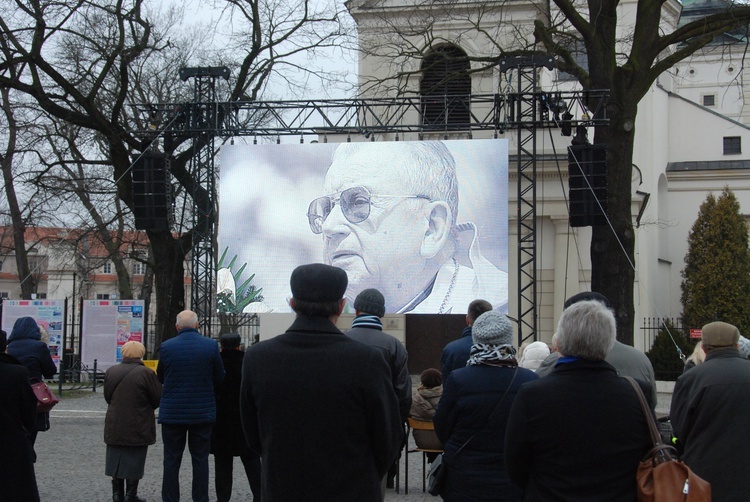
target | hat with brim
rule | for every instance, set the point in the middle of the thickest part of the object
(720, 334)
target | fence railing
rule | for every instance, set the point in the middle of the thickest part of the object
(667, 363)
(248, 329)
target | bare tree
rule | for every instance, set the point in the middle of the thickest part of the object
(589, 41)
(79, 60)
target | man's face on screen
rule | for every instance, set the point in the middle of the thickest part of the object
(383, 250)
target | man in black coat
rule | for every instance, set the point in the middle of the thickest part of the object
(710, 409)
(227, 438)
(368, 328)
(318, 406)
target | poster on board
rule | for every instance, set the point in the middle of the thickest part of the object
(107, 326)
(49, 315)
(424, 222)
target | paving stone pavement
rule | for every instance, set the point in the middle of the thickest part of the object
(70, 465)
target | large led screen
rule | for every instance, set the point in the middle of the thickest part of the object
(424, 222)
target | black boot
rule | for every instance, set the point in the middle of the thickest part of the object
(131, 493)
(118, 490)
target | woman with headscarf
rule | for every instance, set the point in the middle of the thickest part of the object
(25, 344)
(473, 412)
(133, 392)
(533, 356)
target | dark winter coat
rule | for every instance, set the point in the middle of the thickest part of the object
(227, 437)
(470, 395)
(25, 344)
(456, 353)
(710, 410)
(191, 370)
(577, 435)
(395, 353)
(17, 414)
(133, 392)
(321, 411)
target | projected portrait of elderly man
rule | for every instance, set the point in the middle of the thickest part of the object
(389, 219)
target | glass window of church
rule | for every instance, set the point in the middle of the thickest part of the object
(445, 87)
(709, 100)
(732, 145)
(578, 52)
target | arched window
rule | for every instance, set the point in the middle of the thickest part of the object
(445, 87)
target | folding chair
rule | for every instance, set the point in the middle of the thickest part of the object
(420, 425)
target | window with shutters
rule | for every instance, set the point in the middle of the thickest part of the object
(445, 88)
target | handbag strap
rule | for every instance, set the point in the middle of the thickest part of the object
(123, 378)
(497, 407)
(653, 430)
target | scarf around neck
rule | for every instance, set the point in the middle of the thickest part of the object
(482, 353)
(367, 321)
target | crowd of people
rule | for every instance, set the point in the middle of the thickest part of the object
(318, 414)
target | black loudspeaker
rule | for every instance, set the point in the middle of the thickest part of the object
(587, 182)
(152, 193)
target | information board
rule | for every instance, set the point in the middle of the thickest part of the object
(107, 326)
(49, 315)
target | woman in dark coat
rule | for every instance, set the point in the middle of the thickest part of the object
(133, 392)
(17, 416)
(228, 439)
(25, 344)
(473, 412)
(578, 434)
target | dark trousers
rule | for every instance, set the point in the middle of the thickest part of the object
(223, 467)
(199, 443)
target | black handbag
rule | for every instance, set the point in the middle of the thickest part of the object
(436, 476)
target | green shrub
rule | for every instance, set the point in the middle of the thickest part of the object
(664, 355)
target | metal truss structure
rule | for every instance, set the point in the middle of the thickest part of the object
(521, 108)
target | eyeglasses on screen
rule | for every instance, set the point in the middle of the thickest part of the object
(356, 203)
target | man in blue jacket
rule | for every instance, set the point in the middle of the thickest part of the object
(456, 353)
(190, 368)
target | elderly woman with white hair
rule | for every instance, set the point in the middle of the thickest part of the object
(133, 392)
(471, 415)
(579, 433)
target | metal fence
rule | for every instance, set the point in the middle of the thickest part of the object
(652, 325)
(667, 362)
(247, 328)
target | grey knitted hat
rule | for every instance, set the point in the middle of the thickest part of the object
(370, 301)
(492, 328)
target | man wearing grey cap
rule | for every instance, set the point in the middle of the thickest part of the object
(316, 405)
(710, 409)
(369, 307)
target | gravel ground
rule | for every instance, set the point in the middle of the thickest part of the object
(70, 465)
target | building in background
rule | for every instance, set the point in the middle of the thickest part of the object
(690, 133)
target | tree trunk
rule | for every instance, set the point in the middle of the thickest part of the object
(28, 285)
(612, 253)
(169, 276)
